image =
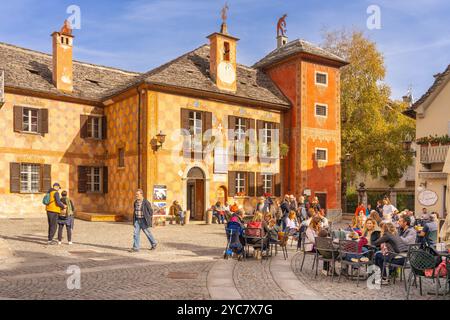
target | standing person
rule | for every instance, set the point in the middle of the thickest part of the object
(142, 220)
(292, 203)
(302, 209)
(368, 210)
(285, 210)
(65, 218)
(53, 206)
(379, 208)
(316, 205)
(388, 210)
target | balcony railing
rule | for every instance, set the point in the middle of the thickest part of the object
(433, 154)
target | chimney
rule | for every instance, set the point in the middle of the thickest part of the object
(62, 58)
(281, 41)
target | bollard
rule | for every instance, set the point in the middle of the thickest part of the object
(209, 217)
(187, 216)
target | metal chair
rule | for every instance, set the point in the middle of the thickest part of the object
(327, 252)
(350, 248)
(390, 261)
(305, 253)
(282, 243)
(406, 265)
(420, 260)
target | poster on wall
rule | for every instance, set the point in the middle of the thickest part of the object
(160, 208)
(159, 193)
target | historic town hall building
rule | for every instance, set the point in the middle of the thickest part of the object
(197, 129)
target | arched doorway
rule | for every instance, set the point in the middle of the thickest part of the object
(196, 193)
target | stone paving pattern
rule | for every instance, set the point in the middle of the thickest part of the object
(188, 264)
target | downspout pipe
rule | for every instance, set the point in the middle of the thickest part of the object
(139, 137)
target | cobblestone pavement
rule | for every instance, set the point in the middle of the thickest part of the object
(178, 269)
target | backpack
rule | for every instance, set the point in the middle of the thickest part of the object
(46, 200)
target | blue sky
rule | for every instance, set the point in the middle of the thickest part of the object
(139, 35)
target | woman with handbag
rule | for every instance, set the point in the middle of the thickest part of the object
(66, 218)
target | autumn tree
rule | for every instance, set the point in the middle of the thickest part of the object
(373, 126)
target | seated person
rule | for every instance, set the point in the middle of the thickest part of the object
(312, 231)
(324, 224)
(292, 223)
(219, 213)
(371, 231)
(327, 254)
(429, 230)
(389, 242)
(256, 230)
(272, 230)
(407, 233)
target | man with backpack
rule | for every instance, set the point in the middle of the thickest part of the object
(53, 206)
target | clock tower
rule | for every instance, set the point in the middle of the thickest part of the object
(222, 64)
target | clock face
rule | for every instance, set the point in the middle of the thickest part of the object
(226, 72)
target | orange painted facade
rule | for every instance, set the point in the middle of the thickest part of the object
(304, 131)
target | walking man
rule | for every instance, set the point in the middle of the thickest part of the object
(142, 220)
(53, 206)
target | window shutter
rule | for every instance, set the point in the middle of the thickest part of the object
(276, 126)
(14, 171)
(18, 119)
(46, 177)
(184, 119)
(207, 121)
(259, 185)
(82, 179)
(231, 183)
(259, 127)
(104, 128)
(231, 127)
(251, 184)
(277, 183)
(43, 121)
(83, 126)
(105, 179)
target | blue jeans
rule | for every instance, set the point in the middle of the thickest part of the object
(139, 224)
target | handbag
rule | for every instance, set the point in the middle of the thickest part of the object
(440, 271)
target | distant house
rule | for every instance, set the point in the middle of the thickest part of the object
(432, 114)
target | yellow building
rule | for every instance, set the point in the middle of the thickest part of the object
(198, 129)
(433, 143)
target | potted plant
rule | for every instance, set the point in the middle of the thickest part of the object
(434, 140)
(284, 150)
(445, 140)
(240, 194)
(424, 141)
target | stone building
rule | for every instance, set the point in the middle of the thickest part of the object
(199, 128)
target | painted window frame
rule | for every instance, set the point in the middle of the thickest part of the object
(267, 183)
(28, 112)
(240, 177)
(91, 127)
(321, 149)
(26, 176)
(321, 105)
(319, 83)
(90, 185)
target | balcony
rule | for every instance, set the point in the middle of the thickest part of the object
(433, 154)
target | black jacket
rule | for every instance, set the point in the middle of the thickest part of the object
(147, 211)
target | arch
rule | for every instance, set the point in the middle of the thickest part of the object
(196, 173)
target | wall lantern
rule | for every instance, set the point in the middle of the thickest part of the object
(158, 142)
